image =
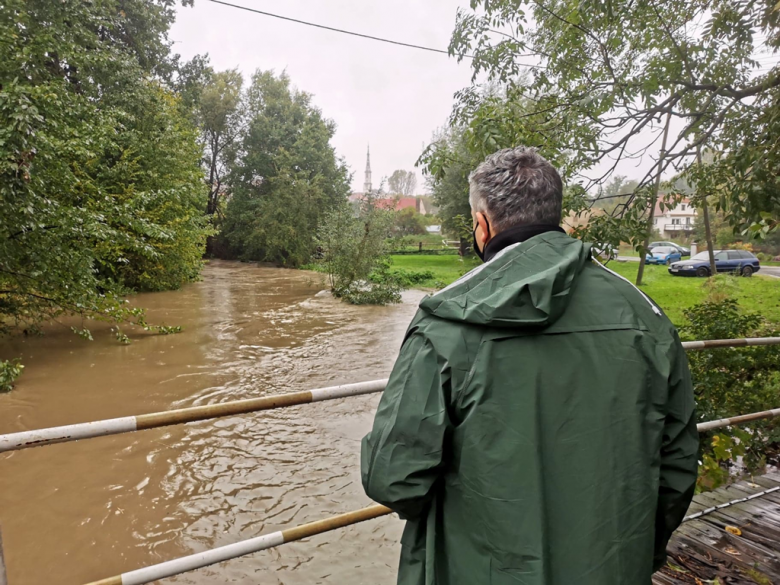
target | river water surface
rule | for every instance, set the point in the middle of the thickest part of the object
(78, 512)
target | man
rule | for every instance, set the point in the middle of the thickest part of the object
(538, 427)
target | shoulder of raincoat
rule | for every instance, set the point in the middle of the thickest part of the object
(538, 427)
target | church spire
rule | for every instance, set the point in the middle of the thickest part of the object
(367, 183)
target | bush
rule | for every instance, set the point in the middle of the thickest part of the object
(355, 254)
(409, 222)
(10, 370)
(409, 278)
(732, 381)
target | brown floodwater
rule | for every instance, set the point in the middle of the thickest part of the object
(77, 512)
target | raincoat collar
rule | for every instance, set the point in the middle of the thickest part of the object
(516, 235)
(526, 284)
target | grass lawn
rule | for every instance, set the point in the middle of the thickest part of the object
(672, 293)
(676, 293)
(445, 268)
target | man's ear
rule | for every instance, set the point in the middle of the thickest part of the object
(483, 223)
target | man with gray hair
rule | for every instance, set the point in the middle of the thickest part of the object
(538, 426)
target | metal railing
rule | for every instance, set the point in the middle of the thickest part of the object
(40, 437)
(129, 424)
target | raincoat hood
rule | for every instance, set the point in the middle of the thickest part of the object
(528, 284)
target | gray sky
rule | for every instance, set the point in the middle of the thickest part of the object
(391, 97)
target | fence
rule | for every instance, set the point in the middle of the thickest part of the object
(445, 248)
(28, 439)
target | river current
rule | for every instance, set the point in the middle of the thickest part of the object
(78, 512)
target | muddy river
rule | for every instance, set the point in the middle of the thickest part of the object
(78, 512)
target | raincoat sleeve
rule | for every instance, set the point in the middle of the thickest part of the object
(679, 456)
(402, 456)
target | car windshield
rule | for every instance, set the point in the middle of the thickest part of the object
(702, 256)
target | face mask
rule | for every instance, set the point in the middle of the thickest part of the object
(480, 253)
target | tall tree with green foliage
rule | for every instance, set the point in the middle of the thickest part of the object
(616, 69)
(286, 175)
(487, 119)
(100, 185)
(220, 115)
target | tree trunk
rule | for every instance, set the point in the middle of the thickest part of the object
(705, 211)
(653, 202)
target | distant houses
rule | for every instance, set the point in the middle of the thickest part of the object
(671, 222)
(395, 203)
(675, 222)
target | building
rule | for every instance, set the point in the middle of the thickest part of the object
(676, 221)
(395, 203)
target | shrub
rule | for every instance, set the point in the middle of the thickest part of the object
(409, 278)
(10, 370)
(355, 254)
(732, 381)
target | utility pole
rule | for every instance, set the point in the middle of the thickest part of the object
(656, 189)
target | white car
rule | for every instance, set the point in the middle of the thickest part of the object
(605, 251)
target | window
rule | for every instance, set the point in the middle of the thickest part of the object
(687, 221)
(735, 255)
(655, 221)
(682, 206)
(676, 221)
(721, 256)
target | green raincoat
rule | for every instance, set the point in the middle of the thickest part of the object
(538, 427)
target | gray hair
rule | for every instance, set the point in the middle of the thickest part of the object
(517, 186)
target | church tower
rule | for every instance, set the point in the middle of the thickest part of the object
(367, 183)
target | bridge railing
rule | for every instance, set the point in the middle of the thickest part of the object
(129, 424)
(48, 436)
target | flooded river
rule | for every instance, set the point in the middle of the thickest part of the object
(78, 512)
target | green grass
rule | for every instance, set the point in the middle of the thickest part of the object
(445, 268)
(673, 294)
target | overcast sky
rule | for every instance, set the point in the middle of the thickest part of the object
(390, 97)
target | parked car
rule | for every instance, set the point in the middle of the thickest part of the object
(682, 249)
(605, 251)
(738, 261)
(663, 255)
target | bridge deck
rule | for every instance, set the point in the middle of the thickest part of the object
(703, 549)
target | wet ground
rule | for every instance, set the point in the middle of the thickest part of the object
(78, 512)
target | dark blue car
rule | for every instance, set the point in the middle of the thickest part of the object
(736, 261)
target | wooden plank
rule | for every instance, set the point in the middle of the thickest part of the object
(705, 550)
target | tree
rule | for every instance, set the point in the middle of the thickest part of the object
(285, 178)
(402, 183)
(447, 163)
(487, 119)
(408, 222)
(613, 72)
(355, 253)
(220, 114)
(614, 194)
(100, 187)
